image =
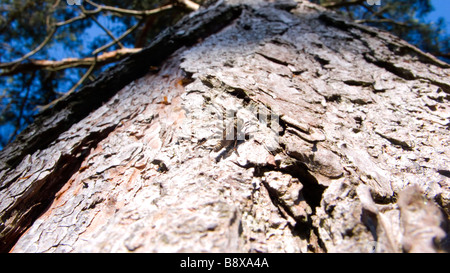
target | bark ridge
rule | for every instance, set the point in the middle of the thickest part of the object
(353, 156)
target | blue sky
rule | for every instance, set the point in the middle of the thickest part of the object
(441, 9)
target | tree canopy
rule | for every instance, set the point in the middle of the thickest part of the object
(404, 18)
(50, 49)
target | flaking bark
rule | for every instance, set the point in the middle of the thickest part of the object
(361, 116)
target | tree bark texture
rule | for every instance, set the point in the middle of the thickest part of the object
(354, 156)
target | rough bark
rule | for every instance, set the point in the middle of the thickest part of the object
(354, 156)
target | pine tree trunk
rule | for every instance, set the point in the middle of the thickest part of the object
(341, 144)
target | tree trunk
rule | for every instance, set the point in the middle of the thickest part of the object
(341, 144)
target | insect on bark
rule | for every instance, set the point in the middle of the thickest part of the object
(231, 135)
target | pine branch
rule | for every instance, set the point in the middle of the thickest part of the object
(109, 33)
(31, 53)
(382, 20)
(340, 4)
(85, 76)
(16, 66)
(33, 65)
(128, 31)
(128, 11)
(189, 4)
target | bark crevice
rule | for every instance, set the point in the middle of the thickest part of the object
(28, 206)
